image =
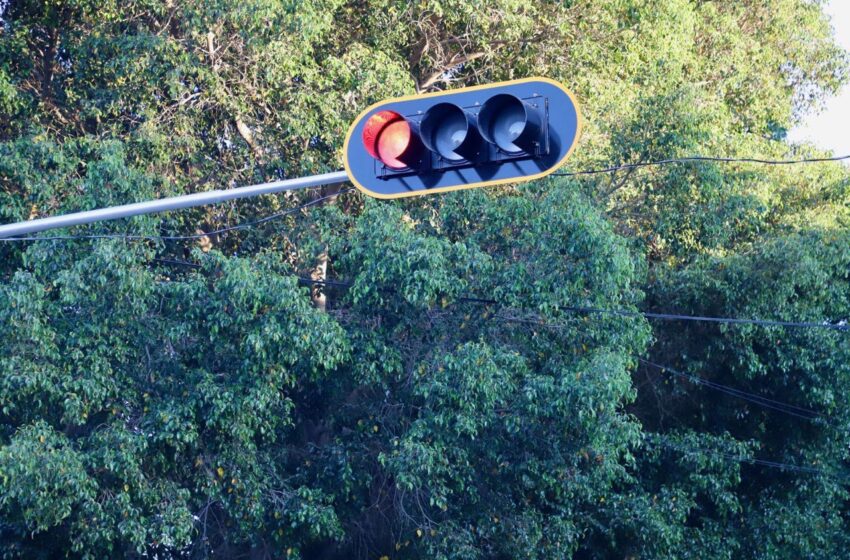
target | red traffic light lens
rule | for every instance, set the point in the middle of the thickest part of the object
(387, 136)
(393, 142)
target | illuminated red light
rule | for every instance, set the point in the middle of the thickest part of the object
(392, 142)
(386, 136)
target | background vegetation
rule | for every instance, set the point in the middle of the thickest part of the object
(196, 398)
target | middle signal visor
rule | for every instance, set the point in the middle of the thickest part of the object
(447, 130)
(511, 124)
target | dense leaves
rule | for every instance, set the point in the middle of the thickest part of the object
(375, 380)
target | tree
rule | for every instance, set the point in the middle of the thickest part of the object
(173, 398)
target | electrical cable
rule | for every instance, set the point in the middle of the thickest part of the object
(693, 159)
(743, 394)
(792, 410)
(629, 313)
(786, 408)
(624, 312)
(689, 159)
(675, 317)
(841, 326)
(763, 401)
(665, 442)
(652, 438)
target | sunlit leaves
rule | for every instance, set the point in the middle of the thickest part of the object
(163, 401)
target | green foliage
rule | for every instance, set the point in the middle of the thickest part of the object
(176, 390)
(194, 399)
(43, 477)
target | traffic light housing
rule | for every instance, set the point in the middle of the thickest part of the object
(460, 139)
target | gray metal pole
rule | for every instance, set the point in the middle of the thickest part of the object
(172, 203)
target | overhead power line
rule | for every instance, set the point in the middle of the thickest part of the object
(660, 439)
(634, 313)
(789, 409)
(678, 317)
(697, 159)
(842, 326)
(211, 197)
(590, 310)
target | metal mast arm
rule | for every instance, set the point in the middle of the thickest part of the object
(172, 203)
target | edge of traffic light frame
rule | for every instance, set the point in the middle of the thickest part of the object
(552, 169)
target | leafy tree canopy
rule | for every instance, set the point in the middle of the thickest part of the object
(206, 398)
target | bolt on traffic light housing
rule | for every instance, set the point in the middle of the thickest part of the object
(460, 139)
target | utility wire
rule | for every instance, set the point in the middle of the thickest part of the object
(692, 159)
(592, 310)
(842, 326)
(689, 159)
(244, 225)
(630, 313)
(805, 413)
(790, 409)
(665, 442)
(675, 317)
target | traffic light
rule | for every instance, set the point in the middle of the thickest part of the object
(461, 139)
